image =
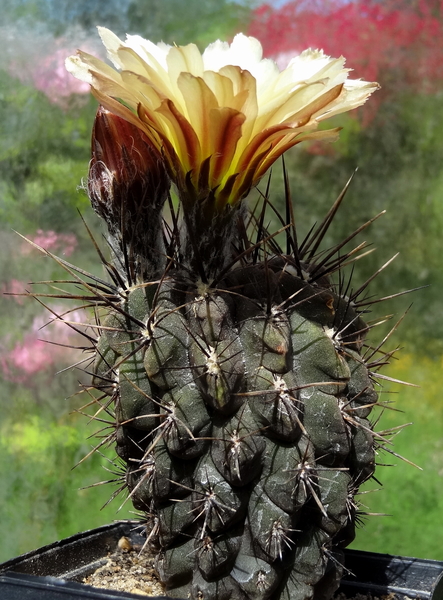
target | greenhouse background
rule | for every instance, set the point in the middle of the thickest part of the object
(395, 142)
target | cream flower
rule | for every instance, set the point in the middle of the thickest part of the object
(220, 118)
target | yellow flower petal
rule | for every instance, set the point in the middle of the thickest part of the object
(199, 101)
(182, 136)
(225, 132)
(184, 59)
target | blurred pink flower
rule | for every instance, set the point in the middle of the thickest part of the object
(35, 355)
(65, 243)
(12, 287)
(44, 67)
(50, 76)
(29, 357)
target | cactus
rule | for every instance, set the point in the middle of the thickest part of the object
(242, 414)
(236, 372)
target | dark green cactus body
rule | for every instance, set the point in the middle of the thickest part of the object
(242, 416)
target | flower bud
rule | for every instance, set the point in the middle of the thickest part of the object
(126, 174)
(127, 184)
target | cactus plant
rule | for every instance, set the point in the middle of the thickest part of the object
(236, 372)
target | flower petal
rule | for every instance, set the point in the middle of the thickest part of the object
(182, 135)
(220, 118)
(199, 101)
(225, 133)
(289, 141)
(184, 59)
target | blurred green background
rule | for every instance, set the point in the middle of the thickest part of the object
(396, 142)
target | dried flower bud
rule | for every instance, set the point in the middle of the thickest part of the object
(127, 185)
(126, 174)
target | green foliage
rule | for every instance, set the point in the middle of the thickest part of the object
(61, 14)
(412, 499)
(58, 15)
(44, 154)
(205, 21)
(41, 496)
(200, 21)
(18, 9)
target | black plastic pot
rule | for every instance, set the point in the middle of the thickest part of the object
(53, 572)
